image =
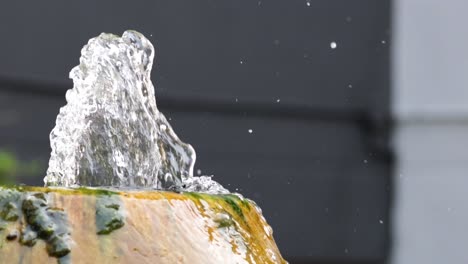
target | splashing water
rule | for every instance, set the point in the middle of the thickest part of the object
(111, 133)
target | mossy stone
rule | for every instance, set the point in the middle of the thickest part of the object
(10, 212)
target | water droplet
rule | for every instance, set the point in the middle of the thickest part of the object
(333, 45)
(259, 3)
(278, 100)
(199, 172)
(308, 3)
(250, 131)
(241, 62)
(349, 19)
(346, 251)
(237, 100)
(350, 86)
(144, 90)
(383, 42)
(365, 161)
(381, 222)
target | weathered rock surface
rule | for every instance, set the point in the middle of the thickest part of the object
(45, 225)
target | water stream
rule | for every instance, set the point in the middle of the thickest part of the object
(111, 133)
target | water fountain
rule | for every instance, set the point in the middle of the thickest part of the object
(120, 184)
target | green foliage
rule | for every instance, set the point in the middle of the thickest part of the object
(11, 168)
(8, 167)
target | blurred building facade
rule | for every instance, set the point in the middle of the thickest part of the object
(431, 108)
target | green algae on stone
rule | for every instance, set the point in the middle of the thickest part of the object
(234, 201)
(195, 195)
(235, 207)
(245, 203)
(225, 221)
(109, 216)
(229, 200)
(95, 191)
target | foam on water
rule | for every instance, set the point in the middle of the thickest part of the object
(111, 133)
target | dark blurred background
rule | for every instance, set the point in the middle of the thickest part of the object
(310, 79)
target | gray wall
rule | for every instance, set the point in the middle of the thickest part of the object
(430, 102)
(316, 161)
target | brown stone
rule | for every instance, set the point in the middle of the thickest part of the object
(98, 226)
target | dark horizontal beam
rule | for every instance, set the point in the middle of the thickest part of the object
(202, 104)
(375, 127)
